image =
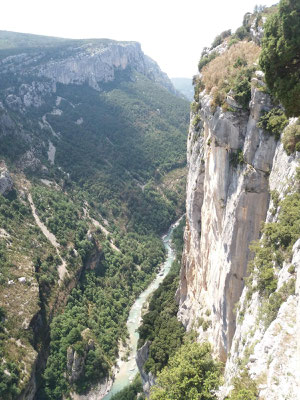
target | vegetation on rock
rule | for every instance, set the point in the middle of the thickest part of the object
(291, 138)
(273, 122)
(270, 252)
(280, 58)
(244, 388)
(231, 71)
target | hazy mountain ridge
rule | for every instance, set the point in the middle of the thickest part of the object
(89, 131)
(75, 61)
(184, 86)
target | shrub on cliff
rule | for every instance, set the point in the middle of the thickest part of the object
(220, 38)
(244, 388)
(205, 59)
(291, 138)
(242, 33)
(280, 56)
(231, 71)
(272, 250)
(273, 122)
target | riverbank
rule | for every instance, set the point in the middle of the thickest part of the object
(128, 369)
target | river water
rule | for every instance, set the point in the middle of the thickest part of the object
(128, 369)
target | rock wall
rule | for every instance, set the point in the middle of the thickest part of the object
(232, 167)
(148, 379)
(92, 62)
(271, 355)
(227, 198)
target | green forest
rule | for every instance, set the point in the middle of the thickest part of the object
(122, 168)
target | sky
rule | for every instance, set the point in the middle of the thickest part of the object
(172, 32)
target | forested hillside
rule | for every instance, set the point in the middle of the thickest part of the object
(92, 148)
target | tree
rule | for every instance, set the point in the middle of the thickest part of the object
(191, 374)
(280, 56)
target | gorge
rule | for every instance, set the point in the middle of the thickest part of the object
(92, 174)
(94, 169)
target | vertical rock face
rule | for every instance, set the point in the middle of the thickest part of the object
(147, 378)
(76, 62)
(6, 183)
(233, 168)
(271, 355)
(227, 199)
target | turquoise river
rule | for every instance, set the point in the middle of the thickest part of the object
(128, 369)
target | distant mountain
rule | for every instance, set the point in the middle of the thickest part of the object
(184, 86)
(92, 172)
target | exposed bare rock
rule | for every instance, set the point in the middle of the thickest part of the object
(97, 392)
(148, 379)
(227, 199)
(233, 166)
(51, 153)
(75, 364)
(273, 353)
(29, 160)
(97, 62)
(6, 182)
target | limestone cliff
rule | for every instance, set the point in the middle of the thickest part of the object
(270, 351)
(225, 206)
(234, 165)
(94, 62)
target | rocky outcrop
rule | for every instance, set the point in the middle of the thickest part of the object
(30, 390)
(227, 199)
(6, 182)
(97, 392)
(271, 356)
(93, 62)
(148, 379)
(233, 167)
(75, 364)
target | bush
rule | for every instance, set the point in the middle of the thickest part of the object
(195, 107)
(207, 58)
(276, 244)
(218, 98)
(191, 374)
(273, 122)
(240, 62)
(241, 33)
(236, 158)
(271, 307)
(242, 90)
(220, 38)
(291, 138)
(280, 55)
(199, 86)
(244, 388)
(196, 121)
(232, 41)
(224, 73)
